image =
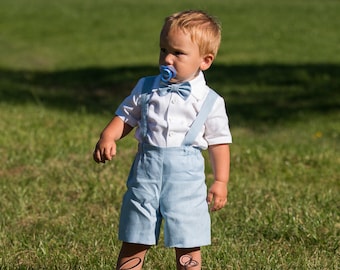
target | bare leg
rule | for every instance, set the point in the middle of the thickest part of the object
(131, 256)
(188, 258)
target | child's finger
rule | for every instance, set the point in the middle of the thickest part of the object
(96, 156)
(210, 197)
(218, 204)
(112, 152)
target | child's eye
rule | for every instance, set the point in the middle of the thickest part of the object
(165, 51)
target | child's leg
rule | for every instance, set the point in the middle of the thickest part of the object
(131, 256)
(188, 258)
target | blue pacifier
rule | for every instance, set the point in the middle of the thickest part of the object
(167, 73)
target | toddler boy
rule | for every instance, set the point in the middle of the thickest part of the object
(176, 115)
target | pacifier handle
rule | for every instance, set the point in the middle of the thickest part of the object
(167, 73)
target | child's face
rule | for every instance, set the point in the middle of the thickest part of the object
(178, 50)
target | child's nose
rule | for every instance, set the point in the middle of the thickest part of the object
(168, 59)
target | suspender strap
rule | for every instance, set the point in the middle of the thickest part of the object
(146, 91)
(201, 117)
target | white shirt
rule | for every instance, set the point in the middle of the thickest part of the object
(170, 117)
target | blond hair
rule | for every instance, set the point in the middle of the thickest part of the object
(204, 29)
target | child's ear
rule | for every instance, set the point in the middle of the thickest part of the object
(207, 61)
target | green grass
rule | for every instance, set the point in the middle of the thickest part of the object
(66, 65)
(72, 34)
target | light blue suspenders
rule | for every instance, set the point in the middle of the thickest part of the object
(196, 125)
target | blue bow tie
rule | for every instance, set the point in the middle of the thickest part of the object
(182, 89)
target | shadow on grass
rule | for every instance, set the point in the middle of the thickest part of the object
(270, 93)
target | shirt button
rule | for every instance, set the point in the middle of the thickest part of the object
(171, 134)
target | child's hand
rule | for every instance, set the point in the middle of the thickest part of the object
(217, 195)
(104, 150)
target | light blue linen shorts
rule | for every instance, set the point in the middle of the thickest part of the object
(169, 184)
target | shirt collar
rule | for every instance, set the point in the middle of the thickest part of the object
(198, 86)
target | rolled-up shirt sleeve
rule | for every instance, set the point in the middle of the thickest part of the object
(129, 110)
(217, 125)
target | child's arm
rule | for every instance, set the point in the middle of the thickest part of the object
(220, 162)
(106, 146)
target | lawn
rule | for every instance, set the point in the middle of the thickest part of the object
(66, 65)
